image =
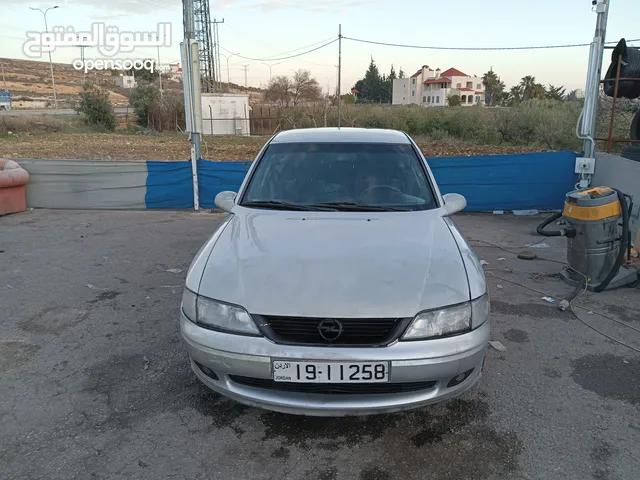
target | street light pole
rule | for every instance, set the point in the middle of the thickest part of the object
(270, 67)
(227, 57)
(160, 72)
(46, 28)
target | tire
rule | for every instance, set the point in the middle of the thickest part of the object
(632, 153)
(635, 127)
(630, 69)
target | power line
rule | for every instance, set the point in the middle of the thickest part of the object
(283, 58)
(424, 47)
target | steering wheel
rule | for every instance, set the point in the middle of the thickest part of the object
(378, 187)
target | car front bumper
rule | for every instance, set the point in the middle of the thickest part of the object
(437, 360)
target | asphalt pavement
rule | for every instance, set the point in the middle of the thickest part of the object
(95, 383)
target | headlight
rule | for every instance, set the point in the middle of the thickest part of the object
(189, 304)
(450, 320)
(480, 308)
(221, 316)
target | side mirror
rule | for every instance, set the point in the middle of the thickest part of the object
(225, 201)
(454, 203)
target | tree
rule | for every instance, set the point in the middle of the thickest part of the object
(279, 91)
(556, 93)
(140, 99)
(453, 101)
(401, 74)
(493, 88)
(527, 84)
(539, 91)
(515, 95)
(305, 88)
(371, 83)
(97, 109)
(392, 76)
(301, 88)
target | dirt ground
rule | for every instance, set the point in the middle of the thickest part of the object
(97, 146)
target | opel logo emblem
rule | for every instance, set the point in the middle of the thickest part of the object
(330, 329)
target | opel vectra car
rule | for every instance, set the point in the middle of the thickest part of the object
(337, 284)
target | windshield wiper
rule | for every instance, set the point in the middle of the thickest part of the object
(358, 207)
(275, 205)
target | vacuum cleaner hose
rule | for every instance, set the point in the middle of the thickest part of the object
(623, 243)
(552, 233)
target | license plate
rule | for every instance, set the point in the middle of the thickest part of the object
(330, 372)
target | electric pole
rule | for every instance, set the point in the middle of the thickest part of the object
(160, 73)
(216, 53)
(339, 69)
(191, 84)
(46, 28)
(84, 71)
(4, 80)
(246, 67)
(594, 73)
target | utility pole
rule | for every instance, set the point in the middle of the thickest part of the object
(160, 73)
(270, 65)
(216, 53)
(46, 28)
(339, 70)
(84, 71)
(191, 83)
(594, 74)
(4, 80)
(246, 67)
(228, 57)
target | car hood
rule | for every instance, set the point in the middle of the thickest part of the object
(335, 264)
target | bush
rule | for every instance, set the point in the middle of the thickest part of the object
(97, 109)
(536, 123)
(167, 113)
(33, 124)
(140, 99)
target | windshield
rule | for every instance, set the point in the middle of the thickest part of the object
(340, 176)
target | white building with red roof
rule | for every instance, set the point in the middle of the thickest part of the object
(432, 88)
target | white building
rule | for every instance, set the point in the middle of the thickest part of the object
(225, 114)
(431, 88)
(125, 81)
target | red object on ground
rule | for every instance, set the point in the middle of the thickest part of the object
(13, 179)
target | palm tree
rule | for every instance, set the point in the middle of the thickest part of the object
(515, 94)
(539, 91)
(527, 84)
(490, 81)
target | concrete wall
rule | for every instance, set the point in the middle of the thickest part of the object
(623, 174)
(225, 114)
(85, 184)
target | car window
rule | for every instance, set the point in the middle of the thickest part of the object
(374, 175)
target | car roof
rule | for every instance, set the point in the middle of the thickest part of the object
(341, 135)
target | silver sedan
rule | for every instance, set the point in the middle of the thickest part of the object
(337, 284)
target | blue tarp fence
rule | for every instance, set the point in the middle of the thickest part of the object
(494, 182)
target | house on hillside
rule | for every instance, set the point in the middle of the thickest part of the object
(431, 88)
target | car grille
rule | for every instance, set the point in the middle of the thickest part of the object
(333, 388)
(355, 331)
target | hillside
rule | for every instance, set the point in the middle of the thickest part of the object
(29, 82)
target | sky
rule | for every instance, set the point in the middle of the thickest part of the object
(264, 29)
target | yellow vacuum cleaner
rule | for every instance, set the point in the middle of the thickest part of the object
(596, 224)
